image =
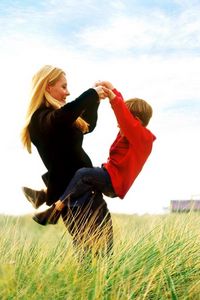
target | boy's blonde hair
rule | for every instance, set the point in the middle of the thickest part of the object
(140, 109)
(46, 75)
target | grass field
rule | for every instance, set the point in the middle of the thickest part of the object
(155, 257)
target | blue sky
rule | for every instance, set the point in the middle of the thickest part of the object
(165, 27)
(148, 49)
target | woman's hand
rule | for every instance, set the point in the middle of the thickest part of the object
(101, 92)
(106, 84)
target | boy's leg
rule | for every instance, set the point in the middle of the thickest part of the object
(84, 181)
(51, 215)
(87, 180)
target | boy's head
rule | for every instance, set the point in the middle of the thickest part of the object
(140, 109)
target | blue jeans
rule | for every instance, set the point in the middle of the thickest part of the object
(86, 182)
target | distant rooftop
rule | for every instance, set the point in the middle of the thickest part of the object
(184, 205)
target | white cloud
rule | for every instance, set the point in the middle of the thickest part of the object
(185, 4)
(119, 5)
(157, 31)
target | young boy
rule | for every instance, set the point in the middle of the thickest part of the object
(127, 156)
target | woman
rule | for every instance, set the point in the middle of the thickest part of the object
(56, 128)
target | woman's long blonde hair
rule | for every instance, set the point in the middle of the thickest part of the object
(46, 75)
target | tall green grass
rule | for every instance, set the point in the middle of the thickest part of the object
(155, 257)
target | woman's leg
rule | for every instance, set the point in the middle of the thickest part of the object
(90, 226)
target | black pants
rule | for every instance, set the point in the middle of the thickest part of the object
(90, 225)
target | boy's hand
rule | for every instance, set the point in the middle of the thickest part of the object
(109, 93)
(106, 84)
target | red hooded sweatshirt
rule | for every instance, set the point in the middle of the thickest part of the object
(129, 151)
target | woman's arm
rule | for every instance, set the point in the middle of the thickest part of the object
(90, 115)
(74, 109)
(65, 116)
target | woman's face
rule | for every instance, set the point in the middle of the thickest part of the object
(59, 90)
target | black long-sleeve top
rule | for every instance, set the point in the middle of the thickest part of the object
(59, 142)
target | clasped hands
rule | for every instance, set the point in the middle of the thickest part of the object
(104, 89)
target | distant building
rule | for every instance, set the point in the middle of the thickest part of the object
(184, 205)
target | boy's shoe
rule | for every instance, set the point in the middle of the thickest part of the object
(36, 198)
(49, 216)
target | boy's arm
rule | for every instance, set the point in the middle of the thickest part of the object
(129, 125)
